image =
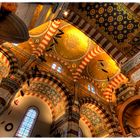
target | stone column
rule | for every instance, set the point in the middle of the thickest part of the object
(113, 110)
(73, 119)
(68, 124)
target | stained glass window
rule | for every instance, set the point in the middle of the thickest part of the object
(27, 123)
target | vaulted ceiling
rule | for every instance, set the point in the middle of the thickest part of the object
(112, 31)
(118, 22)
(70, 50)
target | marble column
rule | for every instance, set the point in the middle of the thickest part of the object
(68, 124)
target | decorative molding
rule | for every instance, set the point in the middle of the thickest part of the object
(130, 64)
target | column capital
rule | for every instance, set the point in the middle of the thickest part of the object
(125, 91)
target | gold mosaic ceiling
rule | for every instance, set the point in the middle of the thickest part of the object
(73, 48)
(73, 45)
(70, 50)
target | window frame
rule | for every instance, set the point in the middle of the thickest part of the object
(91, 88)
(58, 67)
(22, 120)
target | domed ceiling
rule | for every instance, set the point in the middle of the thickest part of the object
(70, 47)
(73, 45)
(102, 67)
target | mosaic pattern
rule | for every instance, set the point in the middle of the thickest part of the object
(111, 18)
(50, 78)
(110, 124)
(92, 116)
(90, 30)
(95, 120)
(43, 88)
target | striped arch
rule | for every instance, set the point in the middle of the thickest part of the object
(96, 50)
(53, 27)
(77, 21)
(44, 99)
(123, 108)
(51, 80)
(114, 84)
(9, 59)
(85, 120)
(103, 113)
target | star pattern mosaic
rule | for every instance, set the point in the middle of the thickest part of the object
(111, 18)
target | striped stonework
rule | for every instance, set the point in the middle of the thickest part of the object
(112, 128)
(134, 7)
(46, 39)
(87, 122)
(69, 122)
(95, 35)
(58, 85)
(114, 84)
(9, 58)
(97, 50)
(44, 99)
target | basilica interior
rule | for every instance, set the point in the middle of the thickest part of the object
(69, 69)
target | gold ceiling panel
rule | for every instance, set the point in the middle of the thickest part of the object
(102, 67)
(73, 45)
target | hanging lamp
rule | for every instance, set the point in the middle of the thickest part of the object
(12, 28)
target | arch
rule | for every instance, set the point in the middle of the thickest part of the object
(77, 21)
(123, 108)
(51, 80)
(103, 113)
(28, 122)
(43, 98)
(9, 59)
(89, 125)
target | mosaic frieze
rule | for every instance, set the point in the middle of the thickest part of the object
(51, 93)
(95, 120)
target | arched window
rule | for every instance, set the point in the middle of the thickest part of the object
(28, 123)
(57, 67)
(91, 88)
